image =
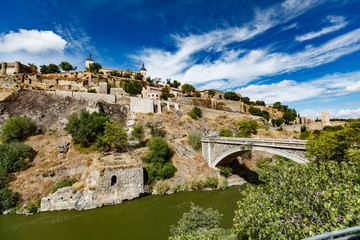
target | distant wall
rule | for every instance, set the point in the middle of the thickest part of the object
(143, 105)
(224, 105)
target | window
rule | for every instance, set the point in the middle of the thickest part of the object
(113, 180)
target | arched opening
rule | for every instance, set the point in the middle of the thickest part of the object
(113, 180)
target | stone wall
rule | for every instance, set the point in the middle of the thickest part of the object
(106, 186)
(142, 105)
(224, 105)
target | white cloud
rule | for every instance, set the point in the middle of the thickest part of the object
(162, 63)
(342, 113)
(31, 41)
(339, 23)
(290, 91)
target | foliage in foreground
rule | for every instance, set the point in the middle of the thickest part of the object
(159, 159)
(299, 201)
(196, 221)
(62, 183)
(17, 129)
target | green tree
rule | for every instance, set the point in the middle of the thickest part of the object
(139, 76)
(258, 112)
(87, 128)
(232, 96)
(225, 132)
(15, 156)
(66, 67)
(197, 94)
(211, 93)
(260, 103)
(138, 133)
(194, 139)
(165, 93)
(115, 136)
(246, 128)
(133, 88)
(195, 221)
(159, 158)
(289, 115)
(277, 122)
(93, 68)
(33, 67)
(195, 113)
(17, 129)
(187, 88)
(245, 100)
(51, 68)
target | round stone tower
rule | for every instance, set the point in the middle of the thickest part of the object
(89, 61)
(3, 68)
(17, 68)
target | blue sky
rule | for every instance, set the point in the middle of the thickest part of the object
(304, 53)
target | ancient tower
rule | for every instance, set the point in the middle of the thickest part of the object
(143, 71)
(89, 61)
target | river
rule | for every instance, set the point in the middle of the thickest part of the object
(148, 217)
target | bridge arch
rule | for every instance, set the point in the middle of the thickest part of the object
(229, 155)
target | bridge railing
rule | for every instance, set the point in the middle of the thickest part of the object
(256, 140)
(347, 233)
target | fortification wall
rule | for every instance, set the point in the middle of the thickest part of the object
(224, 105)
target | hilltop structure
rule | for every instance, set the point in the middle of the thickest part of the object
(89, 61)
(13, 68)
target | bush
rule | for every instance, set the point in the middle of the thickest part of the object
(195, 113)
(8, 199)
(32, 207)
(15, 156)
(155, 129)
(211, 182)
(225, 171)
(257, 112)
(162, 187)
(277, 122)
(62, 183)
(246, 128)
(225, 132)
(87, 128)
(159, 157)
(17, 129)
(4, 177)
(138, 133)
(115, 136)
(194, 139)
(232, 96)
(195, 221)
(91, 90)
(299, 201)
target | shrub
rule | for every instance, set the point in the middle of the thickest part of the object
(194, 139)
(195, 221)
(232, 96)
(138, 133)
(162, 187)
(4, 177)
(17, 129)
(246, 128)
(91, 90)
(8, 199)
(115, 136)
(211, 182)
(15, 156)
(32, 207)
(258, 112)
(195, 113)
(155, 129)
(197, 94)
(159, 156)
(225, 132)
(87, 128)
(225, 171)
(277, 122)
(62, 183)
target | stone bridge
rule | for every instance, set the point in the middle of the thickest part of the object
(222, 150)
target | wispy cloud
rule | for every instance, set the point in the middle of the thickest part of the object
(338, 21)
(31, 41)
(289, 91)
(351, 104)
(177, 64)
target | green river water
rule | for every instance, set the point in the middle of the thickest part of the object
(148, 217)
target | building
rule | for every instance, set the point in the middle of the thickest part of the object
(155, 92)
(143, 71)
(14, 68)
(205, 94)
(89, 61)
